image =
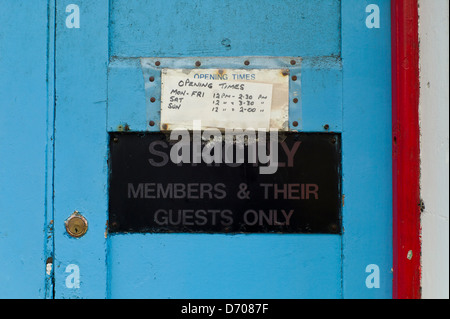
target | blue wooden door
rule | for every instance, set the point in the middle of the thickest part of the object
(343, 87)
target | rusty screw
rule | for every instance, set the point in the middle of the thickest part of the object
(164, 126)
(152, 99)
(295, 100)
(293, 62)
(157, 63)
(326, 126)
(198, 63)
(151, 79)
(295, 124)
(151, 123)
(246, 62)
(294, 78)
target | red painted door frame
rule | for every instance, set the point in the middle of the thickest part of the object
(406, 151)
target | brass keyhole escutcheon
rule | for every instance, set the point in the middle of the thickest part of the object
(76, 225)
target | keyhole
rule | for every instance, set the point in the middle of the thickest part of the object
(76, 225)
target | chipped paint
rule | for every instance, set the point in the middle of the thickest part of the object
(409, 255)
(49, 266)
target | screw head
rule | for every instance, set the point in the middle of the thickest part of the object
(157, 63)
(293, 62)
(151, 79)
(295, 124)
(198, 63)
(152, 99)
(295, 100)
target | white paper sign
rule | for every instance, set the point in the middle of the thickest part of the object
(222, 98)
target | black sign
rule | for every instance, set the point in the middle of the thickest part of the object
(150, 192)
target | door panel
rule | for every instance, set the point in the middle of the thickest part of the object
(80, 167)
(161, 28)
(343, 87)
(225, 266)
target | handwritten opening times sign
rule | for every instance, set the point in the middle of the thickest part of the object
(224, 98)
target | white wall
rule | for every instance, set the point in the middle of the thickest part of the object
(434, 123)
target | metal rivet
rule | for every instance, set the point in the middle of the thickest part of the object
(151, 79)
(76, 225)
(326, 126)
(293, 62)
(295, 100)
(294, 78)
(157, 63)
(198, 63)
(295, 123)
(152, 99)
(246, 62)
(165, 126)
(151, 123)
